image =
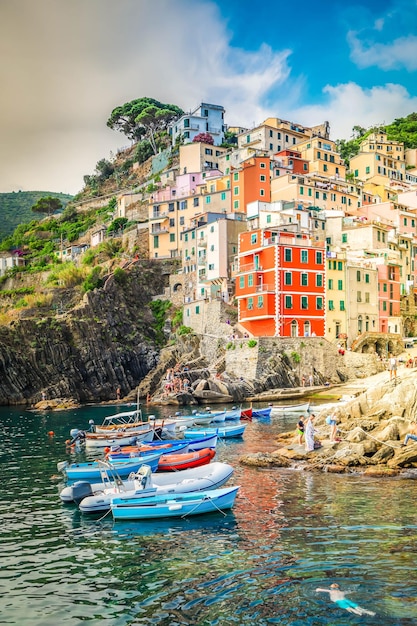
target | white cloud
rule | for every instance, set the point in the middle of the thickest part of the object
(399, 53)
(349, 105)
(70, 63)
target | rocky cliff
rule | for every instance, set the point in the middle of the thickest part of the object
(106, 341)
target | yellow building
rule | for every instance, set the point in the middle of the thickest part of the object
(274, 135)
(323, 157)
(325, 193)
(379, 162)
(336, 309)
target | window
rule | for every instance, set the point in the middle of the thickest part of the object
(384, 305)
(324, 167)
(358, 276)
(156, 241)
(301, 191)
(195, 201)
(262, 165)
(367, 278)
(342, 305)
(247, 138)
(235, 191)
(367, 170)
(250, 280)
(186, 123)
(319, 280)
(271, 133)
(339, 265)
(304, 256)
(263, 178)
(271, 146)
(288, 255)
(253, 238)
(330, 283)
(309, 191)
(331, 305)
(319, 258)
(319, 303)
(236, 204)
(260, 302)
(171, 207)
(211, 266)
(212, 248)
(172, 237)
(288, 302)
(367, 297)
(262, 192)
(304, 280)
(304, 302)
(268, 218)
(340, 285)
(208, 151)
(236, 176)
(344, 238)
(250, 304)
(287, 278)
(241, 282)
(358, 296)
(223, 195)
(197, 309)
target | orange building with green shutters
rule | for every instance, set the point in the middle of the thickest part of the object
(280, 284)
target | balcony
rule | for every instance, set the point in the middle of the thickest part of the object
(161, 217)
(263, 288)
(250, 267)
(202, 260)
(202, 242)
(158, 230)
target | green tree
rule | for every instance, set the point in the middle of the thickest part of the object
(125, 118)
(47, 205)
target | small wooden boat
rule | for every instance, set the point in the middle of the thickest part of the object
(96, 497)
(291, 408)
(261, 413)
(174, 505)
(246, 414)
(91, 471)
(233, 414)
(234, 430)
(208, 416)
(103, 440)
(174, 462)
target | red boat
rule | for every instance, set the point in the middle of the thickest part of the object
(246, 414)
(174, 462)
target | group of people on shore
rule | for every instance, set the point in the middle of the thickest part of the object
(306, 431)
(176, 380)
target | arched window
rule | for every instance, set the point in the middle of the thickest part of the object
(359, 323)
(294, 329)
(307, 328)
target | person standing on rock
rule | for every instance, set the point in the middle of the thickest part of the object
(309, 433)
(392, 364)
(300, 430)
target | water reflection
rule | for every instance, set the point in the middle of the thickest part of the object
(290, 532)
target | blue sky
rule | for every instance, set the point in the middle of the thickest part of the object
(66, 65)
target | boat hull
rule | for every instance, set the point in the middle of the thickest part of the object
(91, 471)
(222, 431)
(101, 440)
(175, 462)
(176, 505)
(291, 408)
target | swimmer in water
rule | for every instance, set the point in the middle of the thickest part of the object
(339, 597)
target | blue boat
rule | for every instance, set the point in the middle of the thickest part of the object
(234, 430)
(174, 505)
(200, 442)
(262, 413)
(91, 471)
(127, 452)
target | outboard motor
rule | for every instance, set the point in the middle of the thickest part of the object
(143, 478)
(80, 490)
(74, 432)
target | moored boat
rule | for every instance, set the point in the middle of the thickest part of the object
(291, 408)
(174, 462)
(91, 471)
(234, 430)
(197, 443)
(261, 413)
(174, 505)
(125, 452)
(103, 440)
(96, 497)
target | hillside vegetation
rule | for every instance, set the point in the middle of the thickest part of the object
(16, 208)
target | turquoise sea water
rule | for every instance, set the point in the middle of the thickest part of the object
(289, 533)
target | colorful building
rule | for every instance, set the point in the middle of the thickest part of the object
(280, 284)
(206, 118)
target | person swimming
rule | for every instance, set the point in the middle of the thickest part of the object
(339, 597)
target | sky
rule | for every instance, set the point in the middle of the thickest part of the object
(66, 64)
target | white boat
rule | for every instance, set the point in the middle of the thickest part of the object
(208, 416)
(95, 498)
(103, 440)
(174, 505)
(291, 408)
